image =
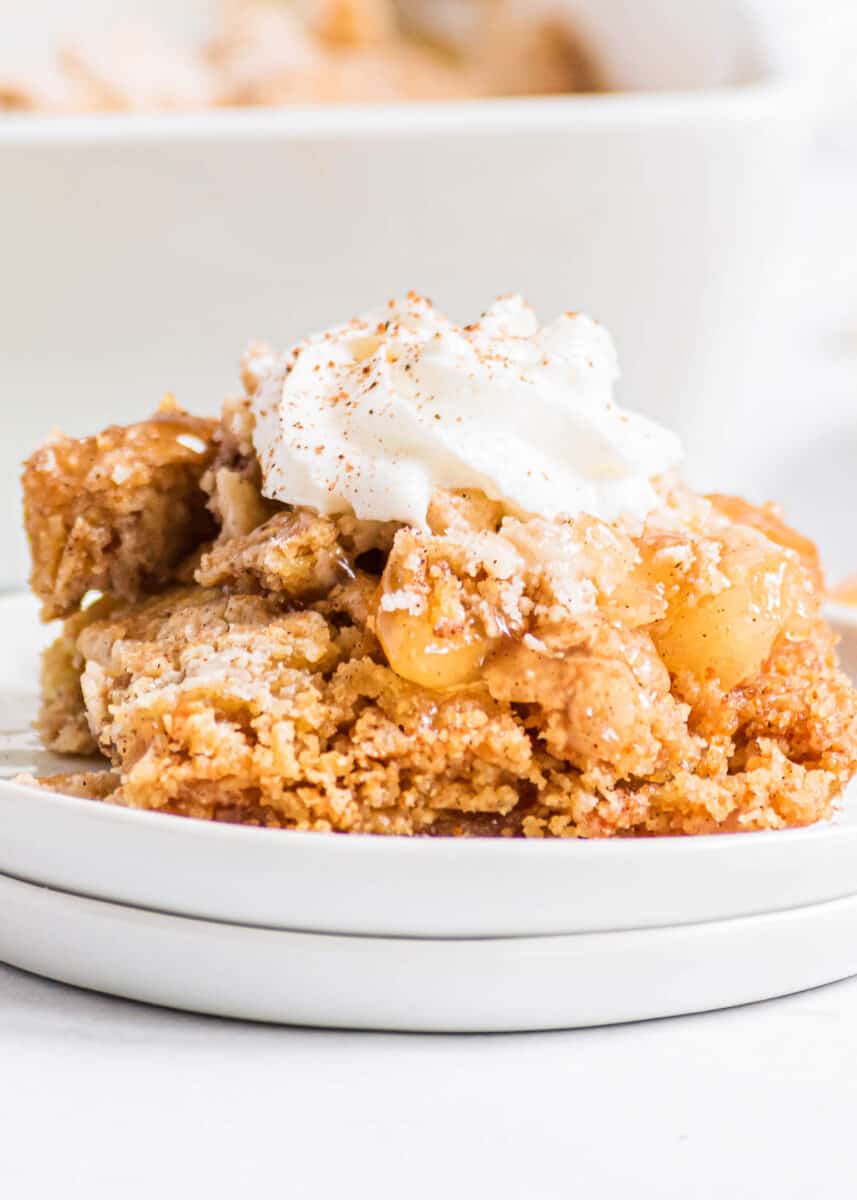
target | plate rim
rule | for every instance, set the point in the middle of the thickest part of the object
(341, 981)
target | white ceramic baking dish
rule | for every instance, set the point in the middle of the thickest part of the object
(140, 253)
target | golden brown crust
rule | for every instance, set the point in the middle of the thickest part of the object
(295, 554)
(116, 513)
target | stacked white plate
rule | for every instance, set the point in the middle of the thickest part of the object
(388, 933)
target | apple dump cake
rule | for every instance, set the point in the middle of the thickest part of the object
(430, 579)
(276, 52)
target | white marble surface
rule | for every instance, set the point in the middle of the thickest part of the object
(106, 1099)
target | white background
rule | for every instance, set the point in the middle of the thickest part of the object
(808, 458)
(111, 1101)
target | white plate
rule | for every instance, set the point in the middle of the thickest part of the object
(388, 886)
(411, 984)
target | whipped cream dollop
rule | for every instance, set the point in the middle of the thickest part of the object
(376, 415)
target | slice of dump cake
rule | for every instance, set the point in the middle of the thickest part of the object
(429, 579)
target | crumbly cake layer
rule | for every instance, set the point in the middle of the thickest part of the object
(493, 675)
(227, 707)
(116, 513)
